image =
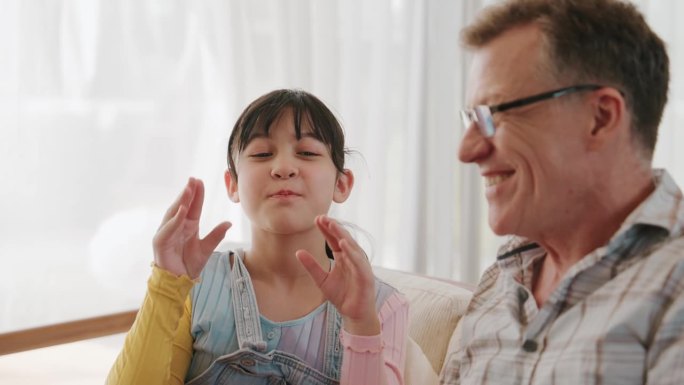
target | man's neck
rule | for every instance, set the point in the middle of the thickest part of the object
(575, 239)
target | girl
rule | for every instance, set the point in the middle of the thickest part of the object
(262, 316)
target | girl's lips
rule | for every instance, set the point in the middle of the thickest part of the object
(284, 194)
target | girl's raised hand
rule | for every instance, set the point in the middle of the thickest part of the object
(350, 285)
(177, 246)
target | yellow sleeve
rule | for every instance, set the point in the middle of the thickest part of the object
(158, 348)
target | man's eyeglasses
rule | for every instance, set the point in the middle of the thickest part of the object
(482, 115)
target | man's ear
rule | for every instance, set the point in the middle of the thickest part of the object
(231, 186)
(609, 117)
(343, 186)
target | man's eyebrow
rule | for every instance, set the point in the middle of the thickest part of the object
(490, 99)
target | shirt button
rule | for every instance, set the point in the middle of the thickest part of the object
(530, 346)
(523, 294)
(270, 335)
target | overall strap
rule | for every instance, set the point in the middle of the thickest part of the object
(332, 361)
(247, 319)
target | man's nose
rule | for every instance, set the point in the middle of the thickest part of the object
(474, 146)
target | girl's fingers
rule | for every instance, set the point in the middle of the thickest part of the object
(338, 233)
(312, 267)
(184, 198)
(348, 252)
(211, 241)
(171, 227)
(350, 258)
(332, 231)
(195, 205)
(329, 236)
(356, 260)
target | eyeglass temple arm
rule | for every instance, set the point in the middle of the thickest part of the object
(546, 95)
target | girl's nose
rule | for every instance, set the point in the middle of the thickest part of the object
(284, 169)
(474, 146)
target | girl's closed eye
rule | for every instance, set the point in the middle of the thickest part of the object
(258, 149)
(310, 147)
(308, 153)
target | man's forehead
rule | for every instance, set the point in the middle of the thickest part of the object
(490, 87)
(507, 66)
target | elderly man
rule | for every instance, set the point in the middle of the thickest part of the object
(565, 100)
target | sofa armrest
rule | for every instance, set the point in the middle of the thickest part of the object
(436, 307)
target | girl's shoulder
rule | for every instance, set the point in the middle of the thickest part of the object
(219, 263)
(383, 291)
(215, 277)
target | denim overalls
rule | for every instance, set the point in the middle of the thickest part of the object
(252, 363)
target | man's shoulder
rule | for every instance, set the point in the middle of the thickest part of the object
(657, 275)
(673, 247)
(666, 259)
(669, 253)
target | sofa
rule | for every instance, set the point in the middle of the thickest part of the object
(436, 307)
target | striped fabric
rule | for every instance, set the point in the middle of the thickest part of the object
(616, 317)
(366, 359)
(213, 321)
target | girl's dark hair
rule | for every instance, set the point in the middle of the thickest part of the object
(258, 117)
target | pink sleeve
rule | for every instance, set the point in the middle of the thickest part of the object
(378, 360)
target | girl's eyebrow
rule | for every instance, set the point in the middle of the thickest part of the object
(261, 135)
(257, 135)
(254, 136)
(311, 136)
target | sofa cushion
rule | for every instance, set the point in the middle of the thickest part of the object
(418, 369)
(436, 306)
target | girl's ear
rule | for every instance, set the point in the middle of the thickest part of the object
(231, 186)
(343, 186)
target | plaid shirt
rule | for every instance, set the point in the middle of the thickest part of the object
(616, 317)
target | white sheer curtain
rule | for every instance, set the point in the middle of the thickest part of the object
(663, 16)
(107, 107)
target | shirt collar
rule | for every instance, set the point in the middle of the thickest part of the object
(664, 207)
